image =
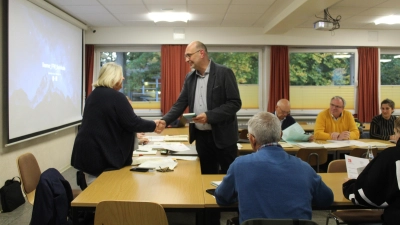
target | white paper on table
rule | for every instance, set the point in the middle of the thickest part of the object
(138, 152)
(155, 138)
(144, 148)
(177, 147)
(309, 145)
(338, 144)
(355, 165)
(378, 144)
(295, 133)
(188, 158)
(216, 183)
(239, 145)
(159, 163)
(285, 144)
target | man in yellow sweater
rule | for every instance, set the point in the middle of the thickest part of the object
(336, 123)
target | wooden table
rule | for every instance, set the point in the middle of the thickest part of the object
(181, 190)
(309, 127)
(246, 148)
(332, 180)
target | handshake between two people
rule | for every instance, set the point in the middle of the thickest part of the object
(160, 126)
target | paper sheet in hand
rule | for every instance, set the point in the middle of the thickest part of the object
(355, 165)
(189, 116)
(295, 133)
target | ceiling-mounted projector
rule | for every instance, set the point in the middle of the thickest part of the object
(328, 23)
(323, 25)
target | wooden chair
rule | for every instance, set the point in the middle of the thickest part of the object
(337, 166)
(263, 221)
(129, 213)
(30, 172)
(313, 156)
(351, 216)
(360, 152)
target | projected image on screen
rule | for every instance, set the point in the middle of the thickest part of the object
(45, 70)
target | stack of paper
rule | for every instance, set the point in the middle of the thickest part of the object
(176, 138)
(309, 145)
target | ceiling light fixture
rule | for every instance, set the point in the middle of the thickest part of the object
(170, 16)
(392, 19)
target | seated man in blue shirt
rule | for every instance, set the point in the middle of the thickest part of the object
(271, 183)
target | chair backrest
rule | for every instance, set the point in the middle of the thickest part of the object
(130, 213)
(29, 171)
(337, 166)
(314, 156)
(263, 221)
(360, 152)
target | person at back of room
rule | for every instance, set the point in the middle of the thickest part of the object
(382, 125)
(282, 111)
(336, 123)
(106, 137)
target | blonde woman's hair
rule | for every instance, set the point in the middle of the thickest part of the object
(110, 75)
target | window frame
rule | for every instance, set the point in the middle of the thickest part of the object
(381, 51)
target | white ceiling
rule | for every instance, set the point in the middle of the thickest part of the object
(274, 16)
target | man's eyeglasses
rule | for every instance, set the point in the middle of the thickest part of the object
(336, 106)
(284, 112)
(188, 55)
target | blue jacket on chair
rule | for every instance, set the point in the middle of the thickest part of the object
(52, 199)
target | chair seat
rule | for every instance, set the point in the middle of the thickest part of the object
(358, 216)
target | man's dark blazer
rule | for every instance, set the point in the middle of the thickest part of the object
(223, 101)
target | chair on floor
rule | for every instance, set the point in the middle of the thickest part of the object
(130, 213)
(337, 166)
(361, 152)
(351, 216)
(262, 221)
(30, 172)
(313, 156)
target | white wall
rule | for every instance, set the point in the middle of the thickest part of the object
(51, 151)
(244, 36)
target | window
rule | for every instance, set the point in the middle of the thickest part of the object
(390, 76)
(142, 75)
(245, 64)
(318, 75)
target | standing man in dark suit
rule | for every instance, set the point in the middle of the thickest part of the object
(211, 91)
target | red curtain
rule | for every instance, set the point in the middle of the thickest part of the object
(173, 71)
(368, 75)
(89, 67)
(279, 80)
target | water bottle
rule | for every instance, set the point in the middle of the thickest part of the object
(369, 155)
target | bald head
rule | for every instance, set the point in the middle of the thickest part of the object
(282, 108)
